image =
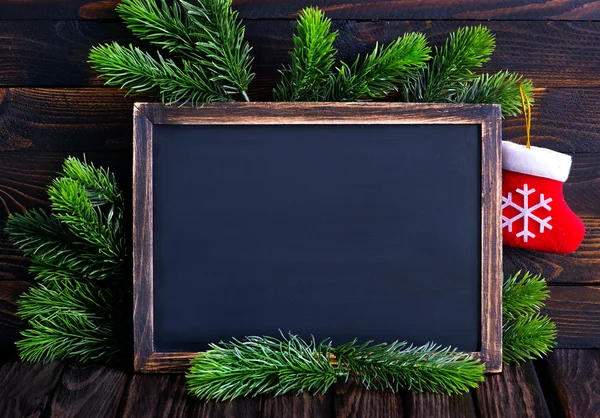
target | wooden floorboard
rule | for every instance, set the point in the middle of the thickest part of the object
(353, 401)
(55, 52)
(26, 389)
(567, 384)
(338, 9)
(86, 391)
(575, 379)
(516, 392)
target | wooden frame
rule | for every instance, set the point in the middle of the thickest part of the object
(146, 115)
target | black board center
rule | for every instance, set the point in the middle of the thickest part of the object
(342, 231)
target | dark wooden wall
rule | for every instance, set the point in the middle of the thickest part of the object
(52, 105)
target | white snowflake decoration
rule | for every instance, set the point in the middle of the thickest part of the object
(526, 213)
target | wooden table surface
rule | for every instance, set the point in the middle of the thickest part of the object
(52, 106)
(566, 384)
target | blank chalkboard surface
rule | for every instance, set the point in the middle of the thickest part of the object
(334, 230)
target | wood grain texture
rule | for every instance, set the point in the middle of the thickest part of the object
(437, 405)
(582, 194)
(97, 118)
(575, 376)
(301, 405)
(10, 323)
(576, 311)
(87, 390)
(71, 119)
(557, 54)
(336, 9)
(355, 401)
(26, 389)
(152, 395)
(515, 392)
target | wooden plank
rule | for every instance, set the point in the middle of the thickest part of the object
(515, 392)
(574, 382)
(355, 401)
(87, 390)
(10, 323)
(296, 405)
(25, 389)
(337, 9)
(576, 311)
(582, 194)
(152, 395)
(71, 119)
(559, 54)
(437, 405)
(96, 118)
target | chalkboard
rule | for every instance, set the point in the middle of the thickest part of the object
(341, 221)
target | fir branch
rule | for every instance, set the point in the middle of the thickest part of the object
(221, 41)
(523, 295)
(527, 334)
(500, 88)
(394, 366)
(260, 365)
(161, 24)
(381, 71)
(312, 59)
(452, 65)
(56, 252)
(132, 69)
(528, 337)
(69, 320)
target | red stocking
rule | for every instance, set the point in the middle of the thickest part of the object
(535, 215)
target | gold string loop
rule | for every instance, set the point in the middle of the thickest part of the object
(526, 113)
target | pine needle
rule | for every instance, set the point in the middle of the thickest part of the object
(78, 251)
(132, 69)
(312, 59)
(452, 65)
(527, 334)
(261, 365)
(221, 41)
(381, 71)
(500, 88)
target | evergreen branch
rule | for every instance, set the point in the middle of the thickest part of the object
(452, 65)
(132, 69)
(221, 41)
(523, 296)
(68, 297)
(527, 334)
(527, 337)
(260, 365)
(394, 366)
(161, 24)
(68, 320)
(312, 59)
(56, 252)
(500, 88)
(381, 71)
(68, 336)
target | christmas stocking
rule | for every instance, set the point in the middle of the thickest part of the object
(534, 212)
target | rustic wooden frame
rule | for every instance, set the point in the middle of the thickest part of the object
(146, 115)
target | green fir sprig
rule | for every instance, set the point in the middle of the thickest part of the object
(267, 365)
(209, 57)
(75, 307)
(312, 75)
(527, 334)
